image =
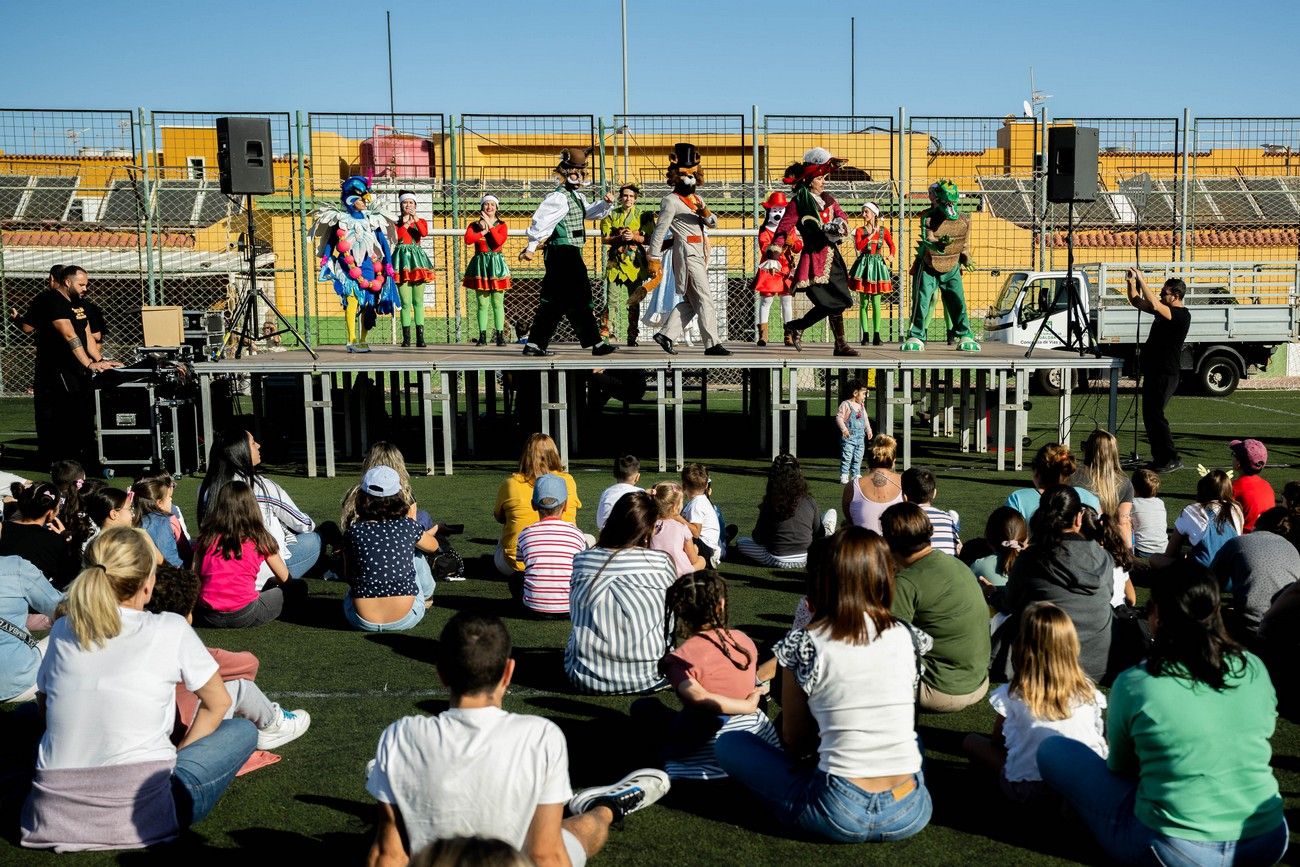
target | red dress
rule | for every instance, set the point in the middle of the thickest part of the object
(776, 282)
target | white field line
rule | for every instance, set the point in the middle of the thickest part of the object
(1256, 406)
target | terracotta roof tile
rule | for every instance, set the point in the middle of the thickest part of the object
(1102, 238)
(90, 240)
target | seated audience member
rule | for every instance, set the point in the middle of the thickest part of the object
(627, 474)
(788, 519)
(390, 584)
(1101, 475)
(1150, 519)
(701, 514)
(232, 545)
(70, 478)
(617, 604)
(176, 591)
(1205, 525)
(1048, 695)
(1188, 779)
(547, 549)
(867, 498)
(382, 454)
(1257, 567)
(107, 775)
(236, 455)
(920, 487)
(1251, 491)
(1074, 573)
(35, 533)
(714, 673)
(22, 589)
(1053, 466)
(470, 852)
(157, 515)
(476, 770)
(1005, 535)
(848, 691)
(107, 507)
(672, 533)
(514, 505)
(934, 592)
(1104, 530)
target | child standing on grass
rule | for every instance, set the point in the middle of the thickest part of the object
(713, 673)
(1048, 695)
(233, 544)
(672, 532)
(158, 516)
(855, 430)
(1150, 518)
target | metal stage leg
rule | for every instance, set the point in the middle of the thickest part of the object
(205, 406)
(309, 410)
(776, 388)
(448, 419)
(932, 380)
(906, 406)
(891, 376)
(394, 395)
(981, 411)
(562, 412)
(792, 413)
(1001, 410)
(1112, 411)
(570, 411)
(347, 414)
(679, 447)
(661, 404)
(364, 431)
(964, 412)
(1065, 409)
(1021, 418)
(490, 384)
(326, 405)
(947, 402)
(426, 410)
(471, 408)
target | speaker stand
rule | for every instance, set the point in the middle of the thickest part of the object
(1078, 336)
(243, 322)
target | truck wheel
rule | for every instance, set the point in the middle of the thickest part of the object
(1049, 381)
(1218, 376)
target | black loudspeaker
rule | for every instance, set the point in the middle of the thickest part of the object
(1072, 164)
(244, 155)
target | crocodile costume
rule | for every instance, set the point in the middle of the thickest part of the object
(940, 257)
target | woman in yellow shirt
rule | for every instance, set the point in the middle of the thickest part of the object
(514, 506)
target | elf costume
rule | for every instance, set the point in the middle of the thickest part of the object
(355, 255)
(940, 257)
(870, 275)
(627, 267)
(414, 270)
(487, 275)
(775, 280)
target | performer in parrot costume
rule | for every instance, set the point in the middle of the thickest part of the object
(355, 254)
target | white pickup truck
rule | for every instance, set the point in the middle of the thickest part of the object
(1241, 312)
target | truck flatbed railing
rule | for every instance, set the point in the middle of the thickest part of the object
(1208, 283)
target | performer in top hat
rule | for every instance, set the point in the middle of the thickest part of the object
(684, 212)
(822, 224)
(560, 221)
(940, 257)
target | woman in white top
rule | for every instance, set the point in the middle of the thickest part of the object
(866, 499)
(107, 775)
(849, 695)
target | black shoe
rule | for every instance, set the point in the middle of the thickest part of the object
(665, 344)
(501, 338)
(419, 337)
(864, 339)
(482, 339)
(603, 348)
(717, 349)
(537, 351)
(875, 341)
(406, 336)
(1168, 466)
(631, 341)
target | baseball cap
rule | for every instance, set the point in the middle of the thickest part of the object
(549, 491)
(1250, 453)
(381, 482)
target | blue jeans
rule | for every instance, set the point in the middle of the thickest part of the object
(423, 579)
(301, 554)
(819, 803)
(851, 454)
(1106, 804)
(205, 768)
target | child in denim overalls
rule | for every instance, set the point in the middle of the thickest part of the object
(855, 430)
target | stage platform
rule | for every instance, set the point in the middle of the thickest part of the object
(958, 389)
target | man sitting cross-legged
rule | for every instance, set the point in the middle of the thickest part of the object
(477, 770)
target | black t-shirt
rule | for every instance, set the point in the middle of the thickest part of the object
(1164, 346)
(95, 319)
(56, 366)
(44, 549)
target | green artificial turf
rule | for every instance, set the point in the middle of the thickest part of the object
(313, 807)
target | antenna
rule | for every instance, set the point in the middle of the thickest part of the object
(1036, 96)
(74, 135)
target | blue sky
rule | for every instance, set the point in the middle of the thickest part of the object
(1097, 57)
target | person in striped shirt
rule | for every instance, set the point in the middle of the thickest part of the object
(919, 487)
(547, 549)
(617, 601)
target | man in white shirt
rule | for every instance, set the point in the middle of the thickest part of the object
(476, 770)
(627, 473)
(560, 222)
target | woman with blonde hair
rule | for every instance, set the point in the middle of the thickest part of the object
(514, 504)
(107, 775)
(866, 499)
(1102, 474)
(381, 454)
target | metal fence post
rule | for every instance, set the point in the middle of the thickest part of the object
(304, 232)
(757, 186)
(904, 254)
(146, 126)
(1040, 185)
(1186, 189)
(455, 217)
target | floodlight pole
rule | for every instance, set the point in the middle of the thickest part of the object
(392, 111)
(623, 10)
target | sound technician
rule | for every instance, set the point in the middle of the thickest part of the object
(1160, 362)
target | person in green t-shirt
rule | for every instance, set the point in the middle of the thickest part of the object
(1188, 780)
(937, 594)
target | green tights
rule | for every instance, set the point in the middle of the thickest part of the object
(412, 296)
(491, 311)
(872, 303)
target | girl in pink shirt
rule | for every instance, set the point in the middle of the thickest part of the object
(672, 533)
(230, 549)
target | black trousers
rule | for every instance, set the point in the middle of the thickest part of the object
(65, 426)
(1157, 389)
(566, 292)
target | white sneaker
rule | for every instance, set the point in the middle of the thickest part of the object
(830, 521)
(844, 478)
(289, 725)
(638, 789)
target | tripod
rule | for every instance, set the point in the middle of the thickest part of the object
(243, 322)
(1078, 336)
(1139, 202)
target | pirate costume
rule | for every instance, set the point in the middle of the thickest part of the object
(775, 277)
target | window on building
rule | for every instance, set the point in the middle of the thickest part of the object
(197, 167)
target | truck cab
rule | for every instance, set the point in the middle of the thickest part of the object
(1025, 297)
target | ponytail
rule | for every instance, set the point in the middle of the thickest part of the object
(118, 563)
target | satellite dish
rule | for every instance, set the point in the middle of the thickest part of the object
(1029, 109)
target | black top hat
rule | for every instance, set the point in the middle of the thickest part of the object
(684, 156)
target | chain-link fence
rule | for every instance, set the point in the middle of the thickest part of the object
(134, 197)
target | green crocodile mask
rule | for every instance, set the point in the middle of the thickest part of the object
(948, 195)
